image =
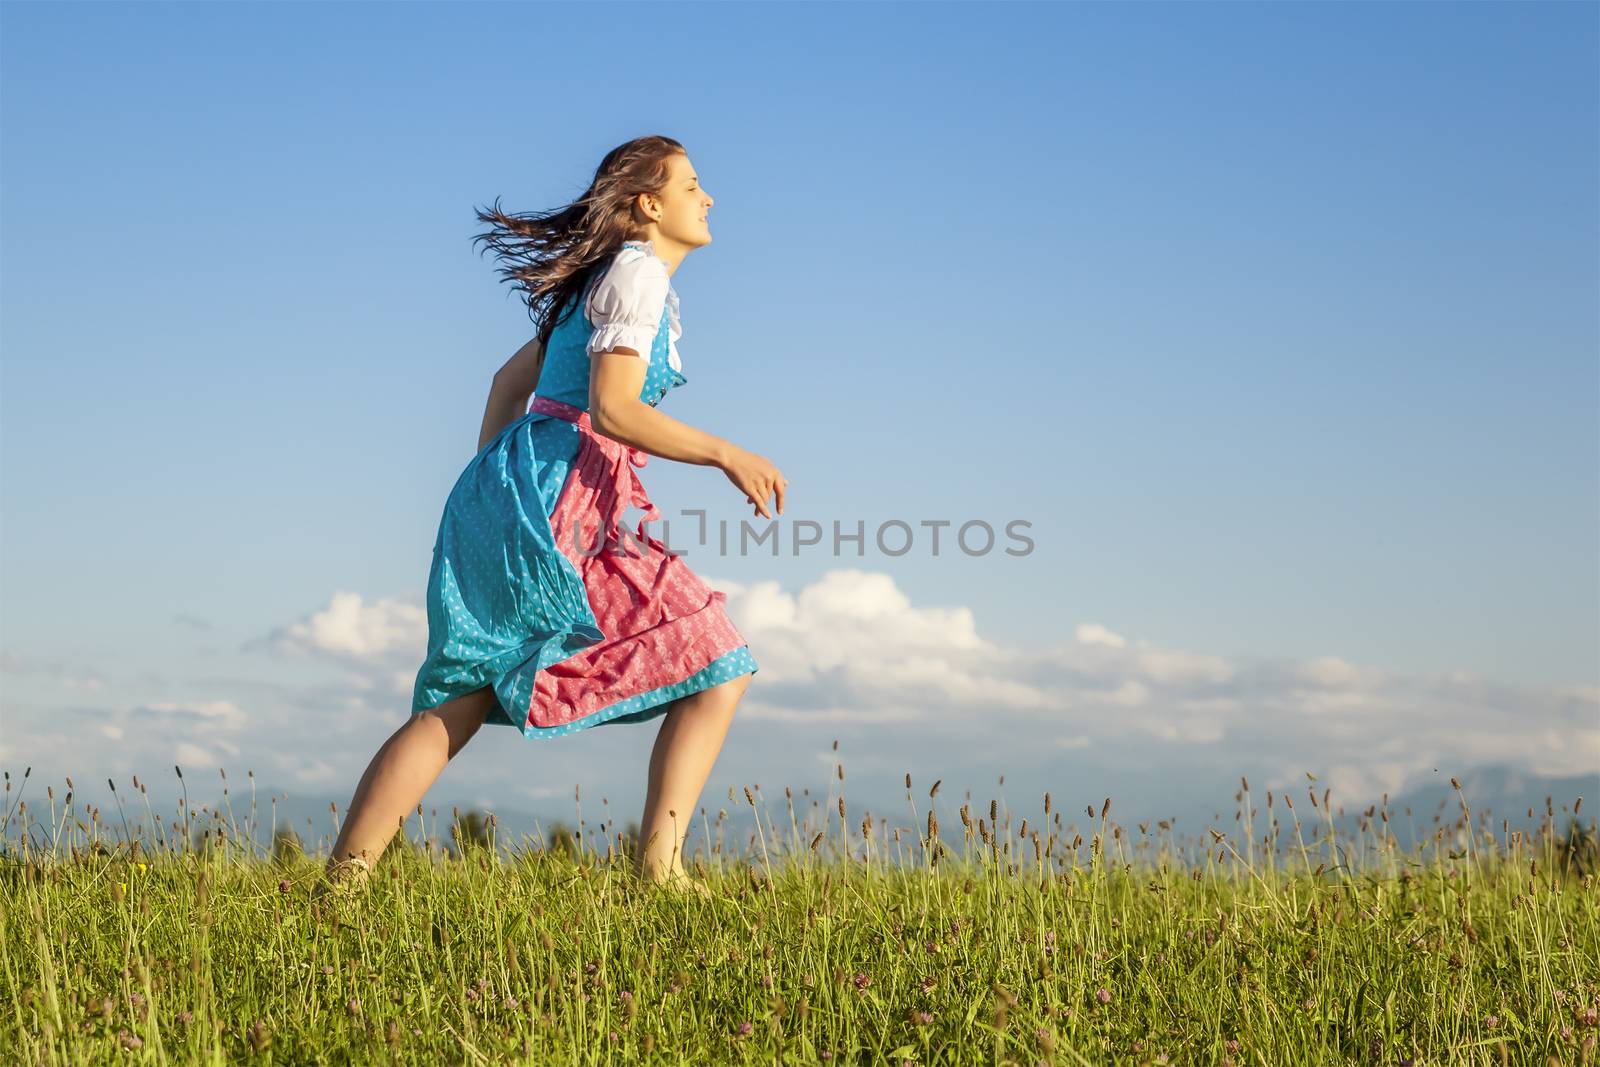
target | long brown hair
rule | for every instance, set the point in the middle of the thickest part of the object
(550, 255)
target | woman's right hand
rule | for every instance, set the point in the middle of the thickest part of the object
(757, 478)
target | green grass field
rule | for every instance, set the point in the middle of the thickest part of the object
(975, 937)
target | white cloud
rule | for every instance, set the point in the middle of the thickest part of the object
(858, 643)
(315, 771)
(855, 714)
(350, 628)
(1331, 671)
(193, 755)
(1368, 780)
(1171, 666)
(1132, 693)
(1202, 730)
(221, 714)
(1092, 633)
(852, 649)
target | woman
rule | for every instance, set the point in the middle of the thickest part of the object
(543, 613)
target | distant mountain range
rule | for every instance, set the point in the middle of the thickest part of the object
(1493, 793)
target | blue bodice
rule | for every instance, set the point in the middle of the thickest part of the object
(565, 375)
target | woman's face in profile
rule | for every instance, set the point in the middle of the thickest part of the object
(684, 204)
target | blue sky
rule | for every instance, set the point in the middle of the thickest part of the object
(1278, 324)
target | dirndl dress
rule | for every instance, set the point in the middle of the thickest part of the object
(535, 590)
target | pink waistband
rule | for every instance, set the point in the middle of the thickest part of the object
(608, 458)
(560, 410)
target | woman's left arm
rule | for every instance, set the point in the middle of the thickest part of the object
(513, 384)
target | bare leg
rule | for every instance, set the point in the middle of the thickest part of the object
(403, 769)
(686, 747)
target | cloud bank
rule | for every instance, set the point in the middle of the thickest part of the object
(848, 655)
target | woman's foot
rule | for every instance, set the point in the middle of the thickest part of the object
(342, 880)
(678, 881)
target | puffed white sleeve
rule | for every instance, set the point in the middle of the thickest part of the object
(626, 305)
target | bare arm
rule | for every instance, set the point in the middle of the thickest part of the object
(615, 410)
(512, 386)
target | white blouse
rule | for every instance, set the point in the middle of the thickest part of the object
(625, 304)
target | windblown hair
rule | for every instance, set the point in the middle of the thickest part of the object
(551, 255)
